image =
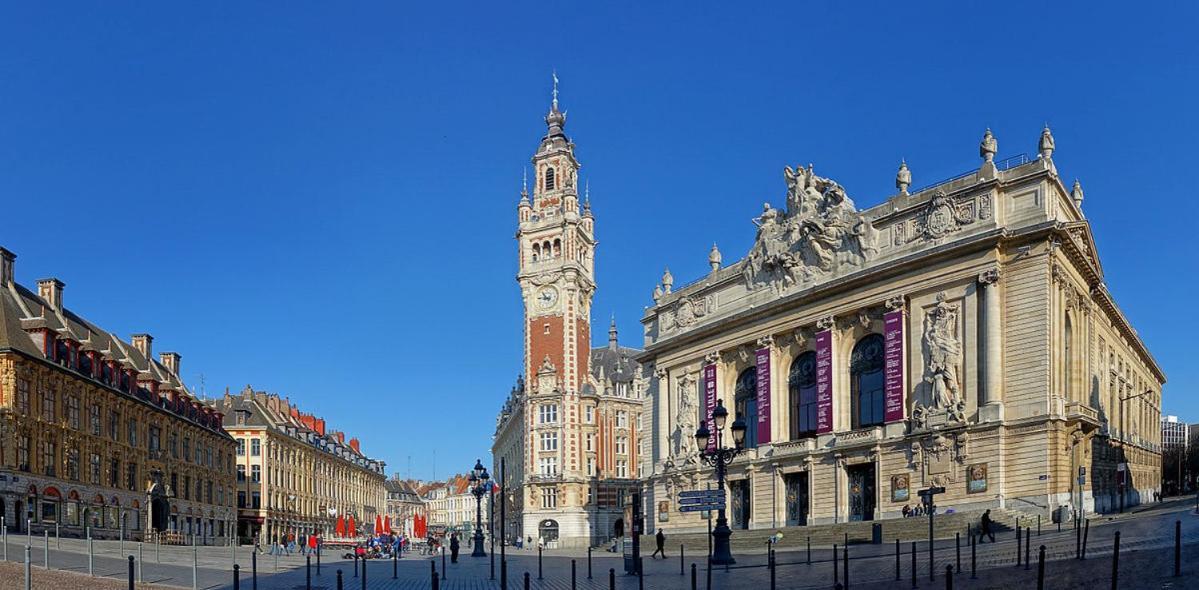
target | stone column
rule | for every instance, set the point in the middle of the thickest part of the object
(661, 442)
(990, 398)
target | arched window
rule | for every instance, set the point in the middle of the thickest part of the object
(747, 404)
(549, 179)
(536, 252)
(545, 249)
(1068, 350)
(557, 248)
(866, 381)
(801, 384)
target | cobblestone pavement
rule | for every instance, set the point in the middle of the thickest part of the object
(1146, 561)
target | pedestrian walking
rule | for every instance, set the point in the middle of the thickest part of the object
(454, 548)
(985, 527)
(660, 540)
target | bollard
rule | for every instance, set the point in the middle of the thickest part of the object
(611, 579)
(973, 561)
(339, 579)
(443, 572)
(57, 537)
(773, 571)
(131, 574)
(1086, 532)
(1041, 569)
(681, 565)
(573, 583)
(141, 565)
(836, 574)
(90, 570)
(1027, 546)
(364, 574)
(1019, 543)
(1077, 541)
(236, 577)
(395, 564)
(45, 549)
(1177, 548)
(195, 568)
(28, 567)
(436, 581)
(913, 564)
(1116, 562)
(957, 539)
(308, 572)
(157, 549)
(277, 560)
(318, 560)
(896, 560)
(253, 570)
(539, 561)
(1038, 525)
(1059, 525)
(949, 577)
(809, 550)
(693, 579)
(589, 563)
(526, 580)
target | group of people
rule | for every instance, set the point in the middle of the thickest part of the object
(288, 544)
(919, 510)
(384, 546)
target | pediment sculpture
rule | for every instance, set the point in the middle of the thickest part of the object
(819, 232)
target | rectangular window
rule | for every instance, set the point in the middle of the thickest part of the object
(49, 403)
(187, 487)
(131, 476)
(73, 464)
(589, 414)
(94, 469)
(622, 468)
(549, 497)
(256, 473)
(622, 419)
(73, 411)
(23, 453)
(133, 432)
(591, 466)
(255, 500)
(549, 441)
(622, 445)
(547, 466)
(187, 449)
(241, 473)
(241, 499)
(548, 413)
(93, 417)
(255, 448)
(23, 396)
(590, 441)
(114, 472)
(241, 447)
(49, 455)
(155, 439)
(114, 432)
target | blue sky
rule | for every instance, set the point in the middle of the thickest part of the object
(319, 200)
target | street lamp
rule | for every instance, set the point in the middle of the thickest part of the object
(1123, 441)
(479, 485)
(720, 457)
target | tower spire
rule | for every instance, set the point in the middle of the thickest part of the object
(555, 75)
(612, 333)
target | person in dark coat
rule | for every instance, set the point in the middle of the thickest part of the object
(454, 548)
(985, 527)
(660, 540)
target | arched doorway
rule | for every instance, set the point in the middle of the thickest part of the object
(548, 531)
(618, 528)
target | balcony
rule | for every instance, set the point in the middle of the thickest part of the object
(860, 436)
(1085, 415)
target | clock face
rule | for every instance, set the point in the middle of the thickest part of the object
(547, 297)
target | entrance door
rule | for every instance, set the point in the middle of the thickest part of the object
(797, 498)
(741, 504)
(861, 492)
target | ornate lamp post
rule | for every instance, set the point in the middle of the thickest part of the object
(479, 485)
(720, 457)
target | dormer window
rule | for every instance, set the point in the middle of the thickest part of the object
(62, 352)
(549, 179)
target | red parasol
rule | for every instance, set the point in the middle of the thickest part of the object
(341, 526)
(378, 524)
(352, 527)
(387, 523)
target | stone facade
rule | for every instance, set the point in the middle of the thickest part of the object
(959, 335)
(295, 476)
(404, 504)
(567, 434)
(95, 434)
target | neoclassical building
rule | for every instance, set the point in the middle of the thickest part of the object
(96, 434)
(959, 335)
(568, 434)
(294, 474)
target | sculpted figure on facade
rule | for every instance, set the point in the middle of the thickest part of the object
(819, 231)
(944, 357)
(683, 449)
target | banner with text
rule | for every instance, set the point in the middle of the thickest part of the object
(710, 402)
(893, 371)
(824, 381)
(762, 357)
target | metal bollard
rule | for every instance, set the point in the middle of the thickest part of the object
(845, 574)
(364, 560)
(1041, 569)
(1038, 525)
(131, 572)
(896, 560)
(1019, 543)
(611, 579)
(339, 579)
(443, 572)
(1086, 532)
(836, 574)
(526, 580)
(973, 561)
(773, 571)
(236, 578)
(589, 563)
(436, 581)
(957, 539)
(141, 564)
(538, 561)
(57, 537)
(1116, 562)
(253, 570)
(809, 550)
(45, 549)
(195, 568)
(90, 552)
(28, 567)
(573, 583)
(949, 577)
(913, 564)
(1177, 548)
(1027, 546)
(1077, 541)
(395, 564)
(308, 572)
(693, 578)
(682, 567)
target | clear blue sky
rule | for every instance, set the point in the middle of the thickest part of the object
(319, 200)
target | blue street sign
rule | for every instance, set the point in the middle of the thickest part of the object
(701, 494)
(703, 500)
(701, 507)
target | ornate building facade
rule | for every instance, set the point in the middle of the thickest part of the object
(294, 475)
(960, 335)
(404, 504)
(568, 434)
(96, 434)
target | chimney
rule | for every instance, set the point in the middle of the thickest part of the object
(354, 445)
(170, 360)
(7, 260)
(141, 342)
(50, 290)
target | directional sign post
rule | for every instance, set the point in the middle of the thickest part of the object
(701, 500)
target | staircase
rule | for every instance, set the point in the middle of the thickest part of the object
(905, 529)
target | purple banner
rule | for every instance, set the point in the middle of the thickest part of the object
(710, 402)
(893, 371)
(824, 381)
(762, 357)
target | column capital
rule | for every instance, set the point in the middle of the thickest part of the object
(711, 358)
(766, 341)
(988, 277)
(895, 302)
(826, 322)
